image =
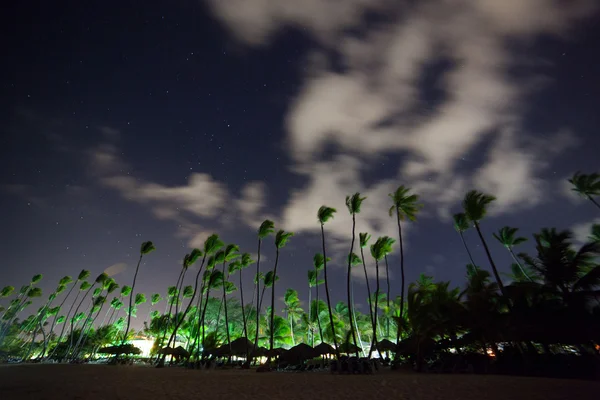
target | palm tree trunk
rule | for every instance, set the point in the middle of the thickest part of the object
(226, 316)
(402, 273)
(374, 339)
(257, 297)
(179, 297)
(519, 264)
(387, 278)
(170, 303)
(318, 313)
(62, 331)
(337, 351)
(355, 322)
(362, 255)
(245, 327)
(131, 301)
(348, 280)
(72, 333)
(462, 237)
(593, 201)
(56, 316)
(292, 329)
(311, 334)
(492, 264)
(187, 309)
(272, 317)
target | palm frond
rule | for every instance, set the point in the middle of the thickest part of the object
(325, 214)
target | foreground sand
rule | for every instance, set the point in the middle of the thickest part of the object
(145, 383)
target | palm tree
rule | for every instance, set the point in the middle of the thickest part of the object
(99, 280)
(378, 252)
(265, 229)
(292, 310)
(154, 299)
(461, 224)
(354, 260)
(230, 254)
(506, 236)
(281, 239)
(406, 207)
(323, 215)
(475, 205)
(189, 260)
(364, 242)
(314, 280)
(353, 204)
(586, 186)
(388, 250)
(83, 275)
(211, 245)
(145, 248)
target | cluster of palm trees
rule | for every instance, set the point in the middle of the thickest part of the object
(559, 281)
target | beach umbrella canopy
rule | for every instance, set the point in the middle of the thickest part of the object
(349, 348)
(324, 348)
(387, 345)
(180, 351)
(240, 346)
(300, 352)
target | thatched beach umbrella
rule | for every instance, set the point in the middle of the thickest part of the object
(348, 348)
(387, 345)
(240, 346)
(298, 353)
(324, 348)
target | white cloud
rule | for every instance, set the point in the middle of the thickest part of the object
(374, 105)
(115, 269)
(582, 231)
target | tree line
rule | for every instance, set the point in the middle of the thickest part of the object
(551, 300)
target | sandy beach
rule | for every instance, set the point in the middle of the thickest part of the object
(123, 382)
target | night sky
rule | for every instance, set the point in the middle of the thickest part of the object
(167, 121)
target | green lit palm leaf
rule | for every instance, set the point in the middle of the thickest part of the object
(147, 247)
(364, 239)
(282, 238)
(461, 222)
(325, 214)
(265, 229)
(475, 205)
(405, 204)
(354, 202)
(83, 275)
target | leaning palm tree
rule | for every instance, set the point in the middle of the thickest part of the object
(388, 250)
(315, 280)
(281, 239)
(405, 206)
(323, 215)
(211, 245)
(461, 224)
(506, 236)
(353, 204)
(145, 248)
(292, 310)
(265, 229)
(475, 205)
(231, 253)
(587, 186)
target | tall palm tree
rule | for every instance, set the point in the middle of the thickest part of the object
(323, 215)
(266, 228)
(364, 238)
(355, 260)
(145, 248)
(231, 253)
(405, 206)
(587, 186)
(461, 224)
(475, 205)
(189, 260)
(292, 310)
(353, 204)
(315, 280)
(378, 252)
(83, 275)
(388, 250)
(281, 239)
(506, 236)
(100, 279)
